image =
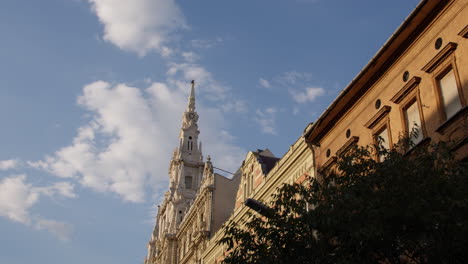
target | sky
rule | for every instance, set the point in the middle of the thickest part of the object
(92, 94)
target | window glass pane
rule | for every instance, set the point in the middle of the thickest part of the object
(413, 122)
(382, 138)
(448, 89)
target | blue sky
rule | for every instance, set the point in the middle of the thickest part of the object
(92, 94)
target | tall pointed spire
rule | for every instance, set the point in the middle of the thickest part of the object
(191, 102)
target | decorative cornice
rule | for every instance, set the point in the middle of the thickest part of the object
(464, 32)
(328, 164)
(378, 116)
(406, 90)
(440, 57)
(347, 145)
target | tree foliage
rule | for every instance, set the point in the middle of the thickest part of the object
(410, 208)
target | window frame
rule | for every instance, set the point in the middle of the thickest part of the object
(377, 130)
(412, 98)
(437, 75)
(379, 122)
(405, 97)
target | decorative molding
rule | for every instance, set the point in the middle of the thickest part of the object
(464, 32)
(347, 145)
(378, 116)
(398, 97)
(441, 56)
(328, 164)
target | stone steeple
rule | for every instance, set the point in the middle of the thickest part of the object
(184, 172)
(185, 175)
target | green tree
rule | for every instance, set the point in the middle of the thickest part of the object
(410, 208)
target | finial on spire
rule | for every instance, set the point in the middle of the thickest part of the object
(191, 105)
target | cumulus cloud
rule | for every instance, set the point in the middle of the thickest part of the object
(17, 198)
(264, 83)
(8, 164)
(309, 95)
(179, 73)
(113, 152)
(139, 26)
(127, 143)
(267, 120)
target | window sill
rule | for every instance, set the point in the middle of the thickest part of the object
(421, 143)
(446, 124)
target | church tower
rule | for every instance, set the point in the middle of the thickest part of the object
(185, 176)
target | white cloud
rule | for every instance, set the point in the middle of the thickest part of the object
(169, 104)
(17, 197)
(267, 119)
(293, 78)
(64, 189)
(59, 229)
(190, 56)
(264, 83)
(139, 26)
(128, 141)
(8, 164)
(206, 43)
(238, 106)
(207, 86)
(309, 95)
(113, 152)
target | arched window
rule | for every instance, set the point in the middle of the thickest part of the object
(188, 182)
(190, 143)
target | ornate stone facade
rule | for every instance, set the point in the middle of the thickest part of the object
(262, 174)
(197, 203)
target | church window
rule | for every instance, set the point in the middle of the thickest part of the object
(188, 182)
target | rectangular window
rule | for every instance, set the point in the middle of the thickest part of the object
(413, 122)
(383, 140)
(188, 182)
(449, 93)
